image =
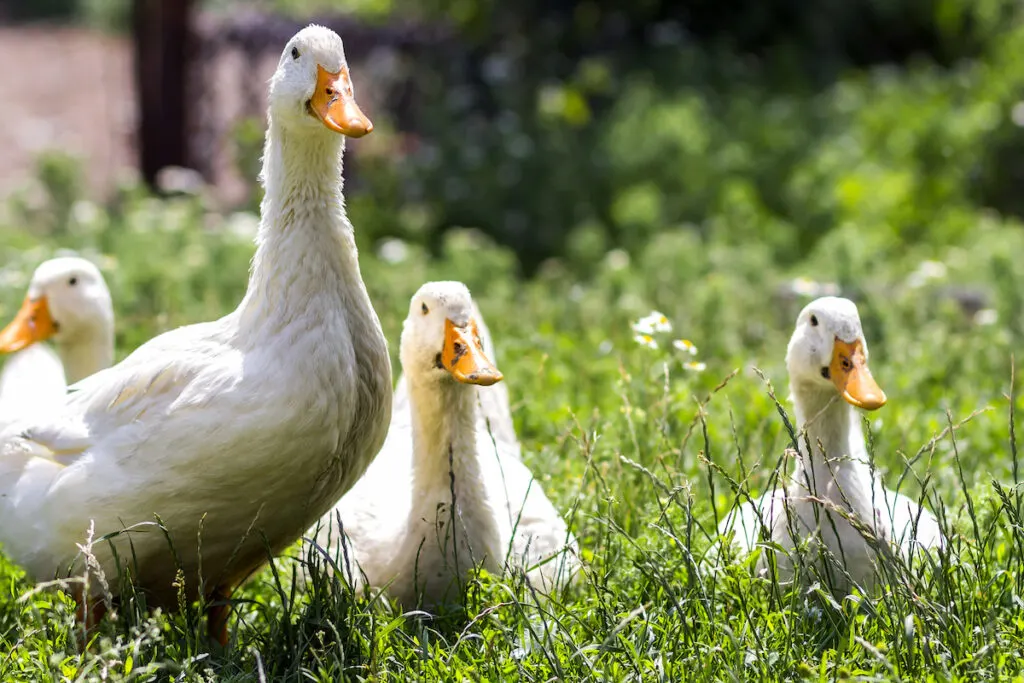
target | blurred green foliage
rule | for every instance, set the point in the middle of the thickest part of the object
(707, 141)
(550, 126)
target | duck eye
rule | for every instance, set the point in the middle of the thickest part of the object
(825, 373)
(814, 321)
(423, 307)
(437, 362)
(295, 53)
(73, 281)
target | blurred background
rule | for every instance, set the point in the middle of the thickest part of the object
(553, 126)
(801, 138)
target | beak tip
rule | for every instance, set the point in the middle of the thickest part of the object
(485, 378)
(357, 129)
(868, 402)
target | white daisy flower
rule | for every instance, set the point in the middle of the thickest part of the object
(803, 286)
(926, 271)
(652, 323)
(646, 340)
(641, 327)
(686, 346)
(393, 250)
(693, 366)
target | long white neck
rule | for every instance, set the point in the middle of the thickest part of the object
(838, 457)
(306, 299)
(306, 253)
(445, 460)
(90, 352)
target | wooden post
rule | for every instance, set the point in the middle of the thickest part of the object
(160, 31)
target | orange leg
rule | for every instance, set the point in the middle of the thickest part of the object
(217, 615)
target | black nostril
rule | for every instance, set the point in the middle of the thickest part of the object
(330, 92)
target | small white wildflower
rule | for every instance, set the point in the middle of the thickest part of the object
(686, 346)
(393, 250)
(643, 327)
(243, 225)
(694, 366)
(106, 262)
(646, 340)
(180, 180)
(605, 347)
(986, 316)
(652, 323)
(927, 270)
(617, 259)
(1017, 113)
(85, 212)
(803, 286)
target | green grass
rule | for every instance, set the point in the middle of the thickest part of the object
(642, 455)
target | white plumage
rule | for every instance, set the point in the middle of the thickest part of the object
(404, 529)
(69, 304)
(833, 490)
(237, 432)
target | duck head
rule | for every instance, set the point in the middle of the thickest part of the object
(828, 352)
(67, 300)
(440, 339)
(312, 86)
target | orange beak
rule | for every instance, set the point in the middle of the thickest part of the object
(335, 105)
(464, 357)
(32, 324)
(850, 374)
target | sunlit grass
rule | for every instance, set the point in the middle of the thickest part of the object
(641, 453)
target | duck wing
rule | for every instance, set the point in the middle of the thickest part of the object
(171, 373)
(910, 525)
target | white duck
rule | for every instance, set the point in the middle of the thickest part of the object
(833, 481)
(237, 432)
(67, 302)
(443, 468)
